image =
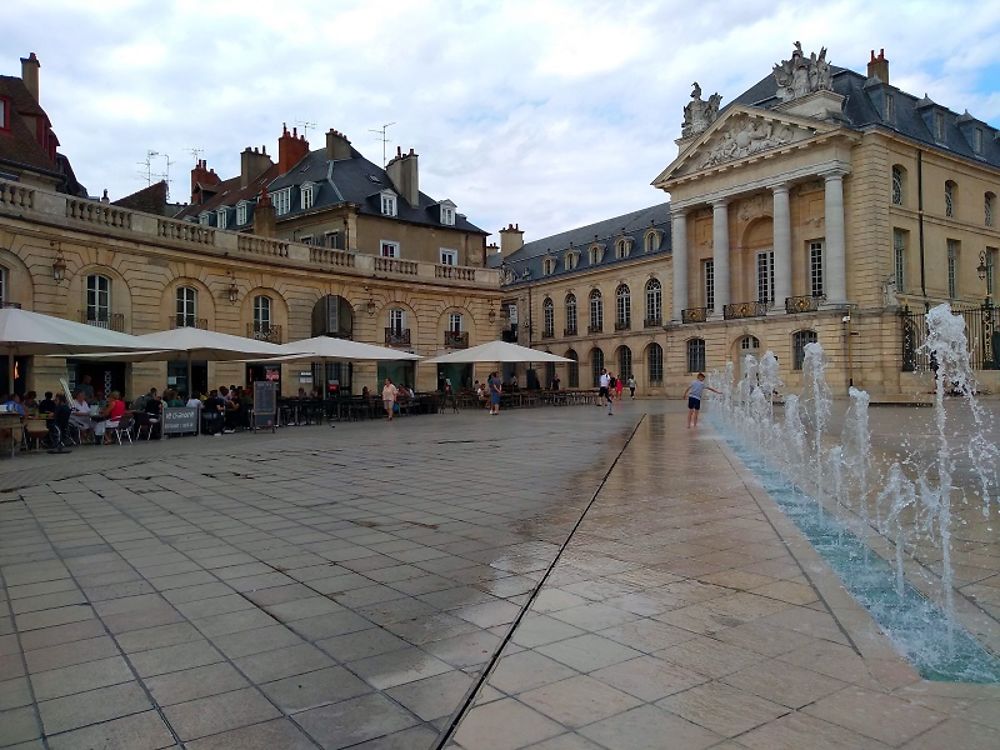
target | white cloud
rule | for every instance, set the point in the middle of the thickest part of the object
(550, 114)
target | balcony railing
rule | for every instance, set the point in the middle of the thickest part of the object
(397, 336)
(803, 303)
(652, 322)
(623, 325)
(737, 310)
(694, 315)
(595, 329)
(264, 332)
(548, 333)
(456, 339)
(569, 331)
(110, 321)
(184, 321)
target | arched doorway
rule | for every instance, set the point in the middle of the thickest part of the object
(745, 345)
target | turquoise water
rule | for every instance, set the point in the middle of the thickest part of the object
(916, 626)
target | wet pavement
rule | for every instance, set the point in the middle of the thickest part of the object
(348, 588)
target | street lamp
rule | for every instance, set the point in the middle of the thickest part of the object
(234, 290)
(59, 268)
(986, 271)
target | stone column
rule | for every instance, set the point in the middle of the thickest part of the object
(836, 254)
(782, 245)
(679, 254)
(720, 253)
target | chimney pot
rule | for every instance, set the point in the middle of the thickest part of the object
(878, 66)
(29, 74)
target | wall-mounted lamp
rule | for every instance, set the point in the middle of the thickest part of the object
(370, 305)
(492, 314)
(981, 268)
(59, 268)
(234, 290)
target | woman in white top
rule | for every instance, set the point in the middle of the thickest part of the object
(389, 397)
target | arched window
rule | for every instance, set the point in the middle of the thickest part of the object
(654, 303)
(98, 299)
(455, 322)
(623, 308)
(596, 364)
(696, 355)
(596, 312)
(950, 197)
(651, 242)
(748, 343)
(261, 316)
(573, 369)
(570, 315)
(548, 318)
(989, 209)
(397, 321)
(623, 248)
(898, 185)
(624, 362)
(654, 363)
(799, 341)
(187, 307)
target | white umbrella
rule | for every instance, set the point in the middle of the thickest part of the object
(343, 350)
(26, 333)
(497, 351)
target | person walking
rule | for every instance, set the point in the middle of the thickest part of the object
(631, 385)
(389, 392)
(496, 390)
(693, 395)
(604, 394)
(619, 387)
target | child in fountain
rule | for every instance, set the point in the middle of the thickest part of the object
(693, 395)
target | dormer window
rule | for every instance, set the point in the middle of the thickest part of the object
(4, 113)
(388, 203)
(282, 200)
(652, 241)
(307, 192)
(939, 127)
(241, 213)
(549, 266)
(977, 140)
(623, 247)
(890, 109)
(596, 254)
(448, 213)
(204, 218)
(572, 259)
(222, 218)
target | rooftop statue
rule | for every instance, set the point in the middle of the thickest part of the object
(699, 114)
(803, 75)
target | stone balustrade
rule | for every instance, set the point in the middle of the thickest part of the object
(84, 215)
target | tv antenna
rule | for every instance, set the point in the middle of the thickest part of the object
(147, 165)
(196, 153)
(381, 132)
(166, 173)
(305, 127)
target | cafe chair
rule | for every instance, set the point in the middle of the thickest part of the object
(37, 430)
(123, 427)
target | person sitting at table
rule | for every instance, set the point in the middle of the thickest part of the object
(80, 418)
(172, 399)
(110, 416)
(47, 408)
(13, 404)
(59, 423)
(194, 402)
(152, 411)
(30, 403)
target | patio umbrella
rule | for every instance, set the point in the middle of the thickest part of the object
(26, 333)
(343, 350)
(497, 351)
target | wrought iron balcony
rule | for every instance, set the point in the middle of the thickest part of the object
(397, 336)
(694, 315)
(186, 321)
(737, 310)
(264, 332)
(595, 329)
(456, 339)
(623, 325)
(803, 303)
(652, 322)
(110, 321)
(570, 331)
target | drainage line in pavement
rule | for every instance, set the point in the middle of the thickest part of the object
(470, 696)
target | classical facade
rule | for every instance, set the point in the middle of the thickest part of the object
(820, 205)
(322, 242)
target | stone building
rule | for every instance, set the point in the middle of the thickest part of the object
(819, 205)
(322, 242)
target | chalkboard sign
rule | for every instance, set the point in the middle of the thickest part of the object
(179, 420)
(265, 404)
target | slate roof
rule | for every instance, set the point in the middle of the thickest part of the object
(526, 263)
(229, 193)
(359, 181)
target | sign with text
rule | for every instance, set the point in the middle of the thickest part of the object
(179, 420)
(265, 404)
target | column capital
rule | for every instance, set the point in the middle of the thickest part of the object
(835, 173)
(720, 204)
(779, 187)
(680, 212)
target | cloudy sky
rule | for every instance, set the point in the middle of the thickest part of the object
(549, 113)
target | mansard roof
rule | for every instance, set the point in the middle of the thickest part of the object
(526, 263)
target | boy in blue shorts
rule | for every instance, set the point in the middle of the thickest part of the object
(693, 395)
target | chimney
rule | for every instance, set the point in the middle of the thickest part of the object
(263, 215)
(338, 147)
(29, 74)
(879, 66)
(292, 147)
(511, 240)
(201, 175)
(253, 164)
(403, 172)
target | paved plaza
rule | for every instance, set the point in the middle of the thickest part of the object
(553, 579)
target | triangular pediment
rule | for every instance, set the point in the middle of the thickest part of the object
(741, 134)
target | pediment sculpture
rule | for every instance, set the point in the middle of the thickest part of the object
(698, 113)
(803, 75)
(743, 136)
